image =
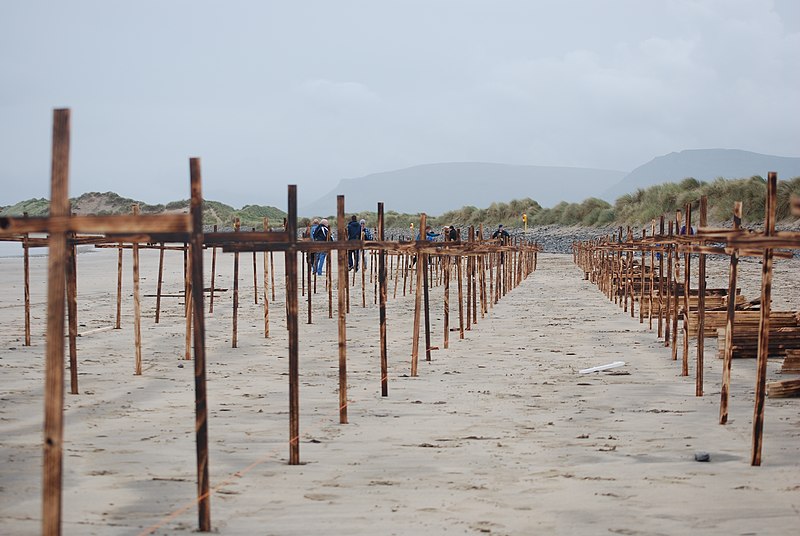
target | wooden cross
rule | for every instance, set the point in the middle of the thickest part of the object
(59, 225)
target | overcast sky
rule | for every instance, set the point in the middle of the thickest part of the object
(270, 93)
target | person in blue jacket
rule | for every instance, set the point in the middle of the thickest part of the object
(321, 234)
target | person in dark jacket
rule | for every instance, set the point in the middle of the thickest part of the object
(353, 233)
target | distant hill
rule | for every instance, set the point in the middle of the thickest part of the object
(436, 188)
(703, 165)
(214, 212)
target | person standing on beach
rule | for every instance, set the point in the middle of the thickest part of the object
(452, 234)
(504, 237)
(353, 233)
(366, 234)
(502, 234)
(321, 234)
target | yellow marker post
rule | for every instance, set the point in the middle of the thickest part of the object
(525, 221)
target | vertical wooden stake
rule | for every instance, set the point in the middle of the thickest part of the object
(382, 284)
(54, 358)
(200, 404)
(160, 281)
(342, 290)
(272, 273)
(214, 276)
(687, 270)
(418, 297)
(118, 325)
(72, 312)
(461, 296)
(255, 276)
(137, 305)
(763, 324)
(266, 290)
(426, 304)
(701, 303)
(234, 336)
(187, 354)
(729, 322)
(293, 328)
(27, 281)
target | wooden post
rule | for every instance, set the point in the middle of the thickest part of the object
(187, 353)
(272, 273)
(255, 276)
(468, 269)
(701, 302)
(461, 296)
(118, 325)
(27, 282)
(160, 280)
(201, 408)
(382, 283)
(54, 358)
(669, 290)
(418, 297)
(72, 313)
(426, 303)
(687, 270)
(446, 318)
(307, 269)
(137, 305)
(234, 336)
(292, 326)
(661, 254)
(763, 324)
(212, 287)
(266, 289)
(729, 323)
(341, 279)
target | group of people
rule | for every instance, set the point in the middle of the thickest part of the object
(358, 230)
(320, 232)
(451, 233)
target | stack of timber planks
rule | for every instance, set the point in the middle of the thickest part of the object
(782, 338)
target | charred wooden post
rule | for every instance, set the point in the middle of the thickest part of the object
(187, 354)
(214, 276)
(701, 302)
(201, 407)
(117, 324)
(290, 257)
(687, 261)
(661, 254)
(234, 335)
(72, 312)
(418, 297)
(137, 307)
(426, 305)
(763, 325)
(446, 317)
(27, 284)
(160, 281)
(729, 323)
(668, 321)
(266, 287)
(255, 276)
(382, 313)
(308, 268)
(342, 282)
(461, 297)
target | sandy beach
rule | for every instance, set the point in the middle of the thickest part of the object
(498, 434)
